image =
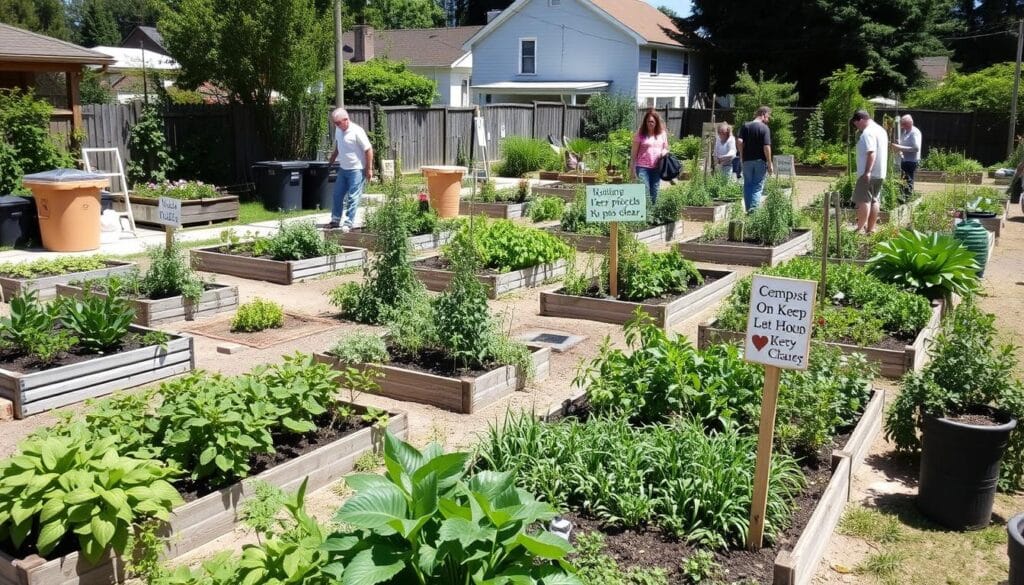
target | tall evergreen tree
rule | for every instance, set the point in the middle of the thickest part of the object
(987, 32)
(98, 26)
(42, 16)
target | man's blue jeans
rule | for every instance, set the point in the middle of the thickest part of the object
(652, 179)
(348, 190)
(754, 174)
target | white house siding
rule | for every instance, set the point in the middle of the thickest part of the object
(669, 86)
(573, 44)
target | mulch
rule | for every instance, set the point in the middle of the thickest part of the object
(17, 361)
(295, 327)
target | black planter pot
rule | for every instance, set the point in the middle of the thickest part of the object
(981, 215)
(1015, 549)
(960, 468)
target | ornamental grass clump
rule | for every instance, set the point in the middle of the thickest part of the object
(525, 155)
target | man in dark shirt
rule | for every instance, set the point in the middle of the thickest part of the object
(754, 143)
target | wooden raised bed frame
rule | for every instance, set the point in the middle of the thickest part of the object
(497, 284)
(201, 521)
(464, 395)
(276, 271)
(900, 215)
(193, 211)
(655, 235)
(713, 213)
(498, 210)
(37, 392)
(358, 238)
(892, 363)
(553, 304)
(729, 253)
(926, 176)
(217, 298)
(47, 285)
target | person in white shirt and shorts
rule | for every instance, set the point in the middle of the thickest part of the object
(872, 161)
(355, 160)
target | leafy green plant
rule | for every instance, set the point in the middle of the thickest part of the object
(299, 240)
(607, 113)
(465, 329)
(505, 245)
(25, 129)
(10, 170)
(546, 209)
(170, 275)
(425, 522)
(151, 159)
(100, 322)
(772, 222)
(79, 486)
(701, 567)
(257, 315)
(524, 155)
(644, 275)
(595, 567)
(753, 93)
(418, 218)
(949, 161)
(52, 266)
(967, 370)
(360, 348)
(686, 148)
(844, 97)
(932, 265)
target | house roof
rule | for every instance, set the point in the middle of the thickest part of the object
(418, 47)
(636, 18)
(153, 34)
(129, 58)
(22, 46)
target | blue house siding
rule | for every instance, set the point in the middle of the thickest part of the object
(573, 44)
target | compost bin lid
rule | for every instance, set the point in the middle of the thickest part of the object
(282, 164)
(64, 176)
(319, 164)
(14, 201)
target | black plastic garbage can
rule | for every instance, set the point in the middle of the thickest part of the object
(106, 201)
(19, 224)
(279, 183)
(318, 185)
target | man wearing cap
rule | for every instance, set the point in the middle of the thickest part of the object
(909, 149)
(353, 146)
(872, 160)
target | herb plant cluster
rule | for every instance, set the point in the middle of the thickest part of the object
(180, 189)
(296, 240)
(417, 216)
(644, 275)
(863, 309)
(169, 275)
(705, 190)
(489, 193)
(935, 213)
(504, 245)
(851, 245)
(258, 315)
(546, 209)
(52, 266)
(949, 161)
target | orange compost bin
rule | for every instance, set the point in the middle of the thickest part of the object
(68, 205)
(444, 183)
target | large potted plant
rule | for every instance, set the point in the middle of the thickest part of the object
(966, 405)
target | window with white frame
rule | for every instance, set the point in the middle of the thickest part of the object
(686, 63)
(527, 56)
(654, 61)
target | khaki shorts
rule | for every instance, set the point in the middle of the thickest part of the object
(867, 190)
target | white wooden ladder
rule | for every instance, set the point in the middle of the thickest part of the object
(116, 172)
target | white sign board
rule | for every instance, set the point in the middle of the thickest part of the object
(607, 203)
(169, 212)
(387, 169)
(779, 323)
(481, 132)
(785, 165)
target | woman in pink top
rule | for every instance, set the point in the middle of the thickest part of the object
(649, 145)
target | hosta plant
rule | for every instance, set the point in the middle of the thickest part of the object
(934, 265)
(78, 486)
(99, 322)
(424, 521)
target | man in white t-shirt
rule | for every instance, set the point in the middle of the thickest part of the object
(355, 160)
(872, 161)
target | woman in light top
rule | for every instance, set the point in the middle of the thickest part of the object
(650, 144)
(725, 149)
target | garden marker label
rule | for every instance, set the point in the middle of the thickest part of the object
(779, 322)
(608, 203)
(169, 212)
(785, 165)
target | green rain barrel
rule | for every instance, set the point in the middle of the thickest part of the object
(974, 237)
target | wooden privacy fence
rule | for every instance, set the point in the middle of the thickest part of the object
(220, 143)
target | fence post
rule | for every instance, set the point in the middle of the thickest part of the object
(533, 129)
(565, 112)
(444, 140)
(970, 151)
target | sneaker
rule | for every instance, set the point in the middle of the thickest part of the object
(345, 229)
(332, 226)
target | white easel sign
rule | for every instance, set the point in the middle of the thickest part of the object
(779, 322)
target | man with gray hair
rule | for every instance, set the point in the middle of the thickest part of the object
(909, 149)
(355, 160)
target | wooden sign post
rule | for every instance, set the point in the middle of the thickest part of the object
(785, 166)
(169, 215)
(779, 337)
(612, 204)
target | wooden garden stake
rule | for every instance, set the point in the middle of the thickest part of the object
(169, 214)
(779, 337)
(824, 252)
(613, 261)
(611, 204)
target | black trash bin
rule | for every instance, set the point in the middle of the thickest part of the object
(279, 183)
(19, 224)
(106, 201)
(318, 185)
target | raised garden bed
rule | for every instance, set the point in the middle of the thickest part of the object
(466, 394)
(209, 517)
(499, 210)
(359, 238)
(435, 278)
(726, 252)
(217, 298)
(35, 392)
(587, 243)
(193, 211)
(564, 190)
(548, 175)
(665, 313)
(819, 171)
(46, 286)
(717, 211)
(926, 176)
(217, 259)
(900, 215)
(892, 363)
(585, 178)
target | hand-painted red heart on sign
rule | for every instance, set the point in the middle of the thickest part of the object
(759, 341)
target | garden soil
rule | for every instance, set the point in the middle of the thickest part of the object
(519, 313)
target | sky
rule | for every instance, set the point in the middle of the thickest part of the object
(682, 7)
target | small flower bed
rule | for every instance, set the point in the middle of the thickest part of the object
(180, 189)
